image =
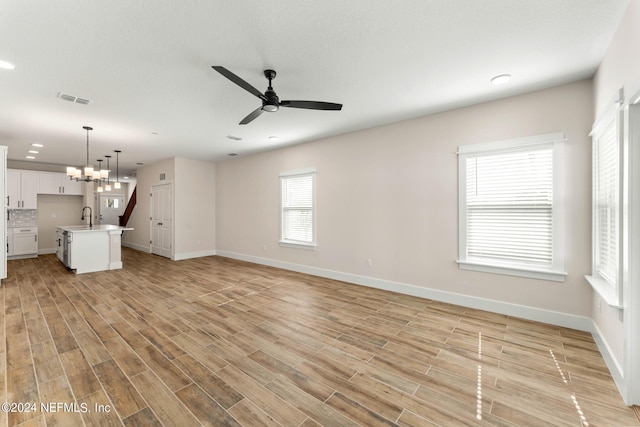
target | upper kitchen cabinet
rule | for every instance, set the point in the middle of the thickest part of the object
(22, 189)
(58, 183)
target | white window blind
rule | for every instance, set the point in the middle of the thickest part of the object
(510, 212)
(606, 200)
(297, 215)
(510, 207)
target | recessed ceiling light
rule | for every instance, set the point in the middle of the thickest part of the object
(501, 79)
(273, 138)
(7, 65)
(30, 157)
(37, 145)
(233, 154)
(234, 138)
(34, 151)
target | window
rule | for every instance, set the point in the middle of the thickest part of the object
(606, 203)
(510, 213)
(606, 218)
(298, 208)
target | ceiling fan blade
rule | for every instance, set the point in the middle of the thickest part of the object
(240, 82)
(254, 114)
(311, 105)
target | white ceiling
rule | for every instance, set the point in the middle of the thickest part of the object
(146, 67)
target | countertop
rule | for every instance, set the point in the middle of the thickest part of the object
(95, 228)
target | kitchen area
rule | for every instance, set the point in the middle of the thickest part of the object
(45, 215)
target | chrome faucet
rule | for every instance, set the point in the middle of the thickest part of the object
(90, 215)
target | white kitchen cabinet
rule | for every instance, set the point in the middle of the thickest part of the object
(90, 248)
(22, 189)
(22, 241)
(58, 183)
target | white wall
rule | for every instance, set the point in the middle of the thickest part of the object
(146, 177)
(194, 222)
(55, 210)
(620, 68)
(389, 194)
(194, 213)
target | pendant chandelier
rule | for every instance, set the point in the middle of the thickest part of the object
(107, 186)
(99, 188)
(116, 184)
(88, 173)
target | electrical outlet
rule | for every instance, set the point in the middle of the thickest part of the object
(599, 305)
(369, 263)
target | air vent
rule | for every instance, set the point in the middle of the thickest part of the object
(72, 98)
(163, 176)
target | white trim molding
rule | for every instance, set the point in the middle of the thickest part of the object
(608, 355)
(631, 252)
(188, 255)
(487, 259)
(530, 313)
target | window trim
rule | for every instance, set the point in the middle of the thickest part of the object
(611, 293)
(556, 272)
(295, 243)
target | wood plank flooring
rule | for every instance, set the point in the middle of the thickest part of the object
(213, 341)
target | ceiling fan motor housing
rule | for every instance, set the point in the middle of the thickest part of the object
(272, 103)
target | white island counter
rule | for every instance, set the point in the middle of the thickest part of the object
(86, 249)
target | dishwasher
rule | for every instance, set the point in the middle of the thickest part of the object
(62, 251)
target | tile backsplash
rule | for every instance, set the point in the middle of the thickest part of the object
(22, 217)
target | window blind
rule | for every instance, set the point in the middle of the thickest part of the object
(297, 208)
(606, 162)
(509, 209)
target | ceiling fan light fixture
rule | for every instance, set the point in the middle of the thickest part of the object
(270, 108)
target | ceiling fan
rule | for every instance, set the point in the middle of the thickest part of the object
(270, 101)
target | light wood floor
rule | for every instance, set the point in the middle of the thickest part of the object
(213, 341)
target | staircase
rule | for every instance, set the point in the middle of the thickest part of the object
(124, 219)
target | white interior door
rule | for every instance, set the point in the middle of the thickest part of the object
(111, 207)
(161, 220)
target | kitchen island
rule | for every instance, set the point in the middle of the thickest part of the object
(85, 248)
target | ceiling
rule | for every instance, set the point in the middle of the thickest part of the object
(145, 65)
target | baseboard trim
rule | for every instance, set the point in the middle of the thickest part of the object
(142, 248)
(617, 373)
(189, 255)
(530, 313)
